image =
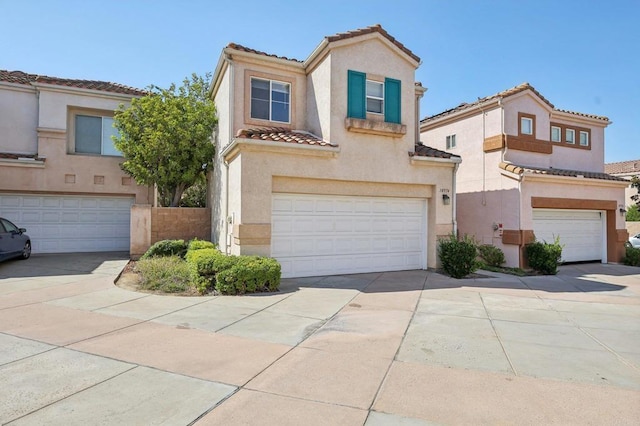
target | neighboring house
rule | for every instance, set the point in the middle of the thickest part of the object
(626, 170)
(532, 169)
(318, 162)
(60, 174)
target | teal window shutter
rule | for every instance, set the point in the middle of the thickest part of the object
(356, 94)
(392, 101)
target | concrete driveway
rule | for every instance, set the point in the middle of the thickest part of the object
(401, 348)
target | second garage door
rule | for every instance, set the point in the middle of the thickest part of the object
(580, 232)
(67, 223)
(325, 235)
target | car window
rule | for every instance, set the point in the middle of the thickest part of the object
(10, 227)
(2, 227)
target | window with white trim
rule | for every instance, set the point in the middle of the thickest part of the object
(556, 134)
(526, 126)
(375, 97)
(570, 136)
(584, 138)
(270, 100)
(451, 141)
(93, 135)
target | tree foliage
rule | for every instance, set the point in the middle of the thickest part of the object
(633, 213)
(635, 183)
(165, 137)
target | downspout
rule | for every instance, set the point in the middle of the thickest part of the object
(484, 160)
(454, 199)
(227, 234)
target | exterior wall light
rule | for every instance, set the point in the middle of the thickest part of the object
(446, 200)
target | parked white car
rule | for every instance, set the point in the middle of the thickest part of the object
(635, 241)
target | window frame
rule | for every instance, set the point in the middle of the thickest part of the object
(559, 134)
(532, 119)
(73, 113)
(566, 133)
(580, 133)
(271, 100)
(377, 98)
(451, 141)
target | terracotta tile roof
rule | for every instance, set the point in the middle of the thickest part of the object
(20, 77)
(623, 167)
(279, 134)
(11, 156)
(506, 93)
(514, 168)
(373, 29)
(241, 48)
(426, 151)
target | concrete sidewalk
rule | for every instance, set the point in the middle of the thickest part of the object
(400, 348)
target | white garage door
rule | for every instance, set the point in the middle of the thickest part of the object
(580, 231)
(319, 235)
(66, 223)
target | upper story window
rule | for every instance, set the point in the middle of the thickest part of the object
(270, 100)
(570, 136)
(451, 141)
(556, 134)
(374, 97)
(526, 124)
(93, 135)
(584, 138)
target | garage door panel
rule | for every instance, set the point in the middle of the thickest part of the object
(341, 234)
(580, 232)
(58, 224)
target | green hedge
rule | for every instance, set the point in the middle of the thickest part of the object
(544, 257)
(166, 248)
(197, 244)
(458, 256)
(491, 255)
(631, 256)
(249, 274)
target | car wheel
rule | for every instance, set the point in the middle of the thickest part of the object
(627, 244)
(26, 251)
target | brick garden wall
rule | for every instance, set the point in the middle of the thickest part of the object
(180, 223)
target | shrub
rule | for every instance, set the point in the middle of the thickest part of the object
(458, 256)
(197, 244)
(249, 274)
(169, 274)
(631, 256)
(544, 257)
(166, 248)
(491, 255)
(207, 263)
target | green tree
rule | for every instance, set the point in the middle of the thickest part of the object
(165, 137)
(633, 213)
(635, 183)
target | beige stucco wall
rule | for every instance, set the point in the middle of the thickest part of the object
(318, 120)
(19, 119)
(63, 171)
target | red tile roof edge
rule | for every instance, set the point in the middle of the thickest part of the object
(236, 46)
(623, 167)
(377, 28)
(281, 134)
(517, 169)
(422, 150)
(13, 156)
(506, 93)
(21, 77)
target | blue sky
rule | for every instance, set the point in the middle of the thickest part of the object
(581, 55)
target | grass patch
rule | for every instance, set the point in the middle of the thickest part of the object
(169, 274)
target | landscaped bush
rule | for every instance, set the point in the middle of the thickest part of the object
(249, 274)
(169, 274)
(208, 263)
(631, 256)
(166, 248)
(197, 244)
(491, 255)
(544, 257)
(458, 256)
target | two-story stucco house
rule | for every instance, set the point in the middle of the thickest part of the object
(318, 161)
(60, 174)
(532, 170)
